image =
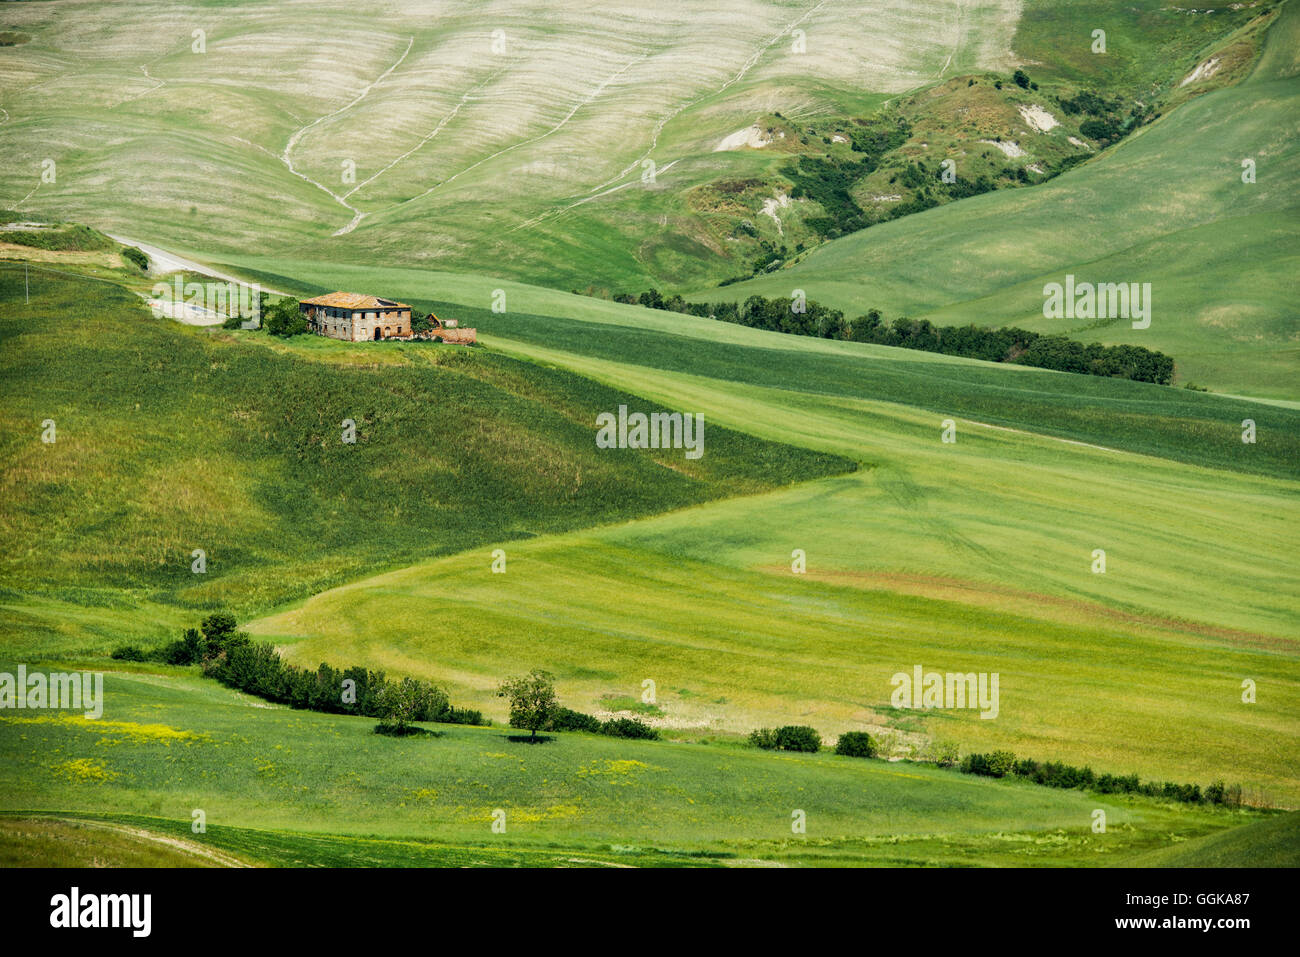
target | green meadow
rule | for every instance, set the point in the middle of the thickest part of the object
(971, 556)
(175, 743)
(956, 557)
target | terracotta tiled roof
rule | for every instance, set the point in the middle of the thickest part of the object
(354, 300)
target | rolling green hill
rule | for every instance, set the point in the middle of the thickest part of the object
(951, 513)
(998, 530)
(169, 439)
(520, 137)
(1166, 206)
(973, 556)
(514, 134)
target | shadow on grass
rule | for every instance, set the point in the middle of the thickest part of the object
(529, 739)
(393, 731)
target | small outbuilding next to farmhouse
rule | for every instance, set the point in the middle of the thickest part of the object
(356, 318)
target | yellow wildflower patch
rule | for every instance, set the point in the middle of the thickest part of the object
(85, 771)
(130, 730)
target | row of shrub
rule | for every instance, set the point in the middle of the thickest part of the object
(231, 657)
(800, 737)
(791, 737)
(999, 764)
(566, 719)
(1018, 346)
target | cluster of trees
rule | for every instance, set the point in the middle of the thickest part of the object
(280, 317)
(231, 657)
(534, 707)
(1018, 346)
(1105, 121)
(420, 321)
(828, 180)
(1005, 345)
(790, 737)
(1021, 79)
(214, 635)
(999, 764)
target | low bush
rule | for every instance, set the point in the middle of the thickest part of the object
(856, 744)
(136, 257)
(566, 719)
(629, 728)
(790, 737)
(229, 656)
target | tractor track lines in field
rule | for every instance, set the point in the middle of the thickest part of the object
(293, 140)
(194, 849)
(602, 189)
(1054, 438)
(607, 186)
(551, 214)
(745, 68)
(956, 43)
(158, 85)
(1008, 599)
(18, 205)
(584, 101)
(428, 136)
(287, 159)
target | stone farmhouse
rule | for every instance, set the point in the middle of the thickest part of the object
(357, 318)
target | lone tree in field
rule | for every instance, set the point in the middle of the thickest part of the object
(532, 700)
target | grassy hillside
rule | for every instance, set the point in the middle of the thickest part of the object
(54, 842)
(1166, 206)
(968, 557)
(170, 439)
(997, 530)
(1273, 842)
(477, 160)
(532, 122)
(1180, 424)
(280, 786)
(972, 557)
(399, 139)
